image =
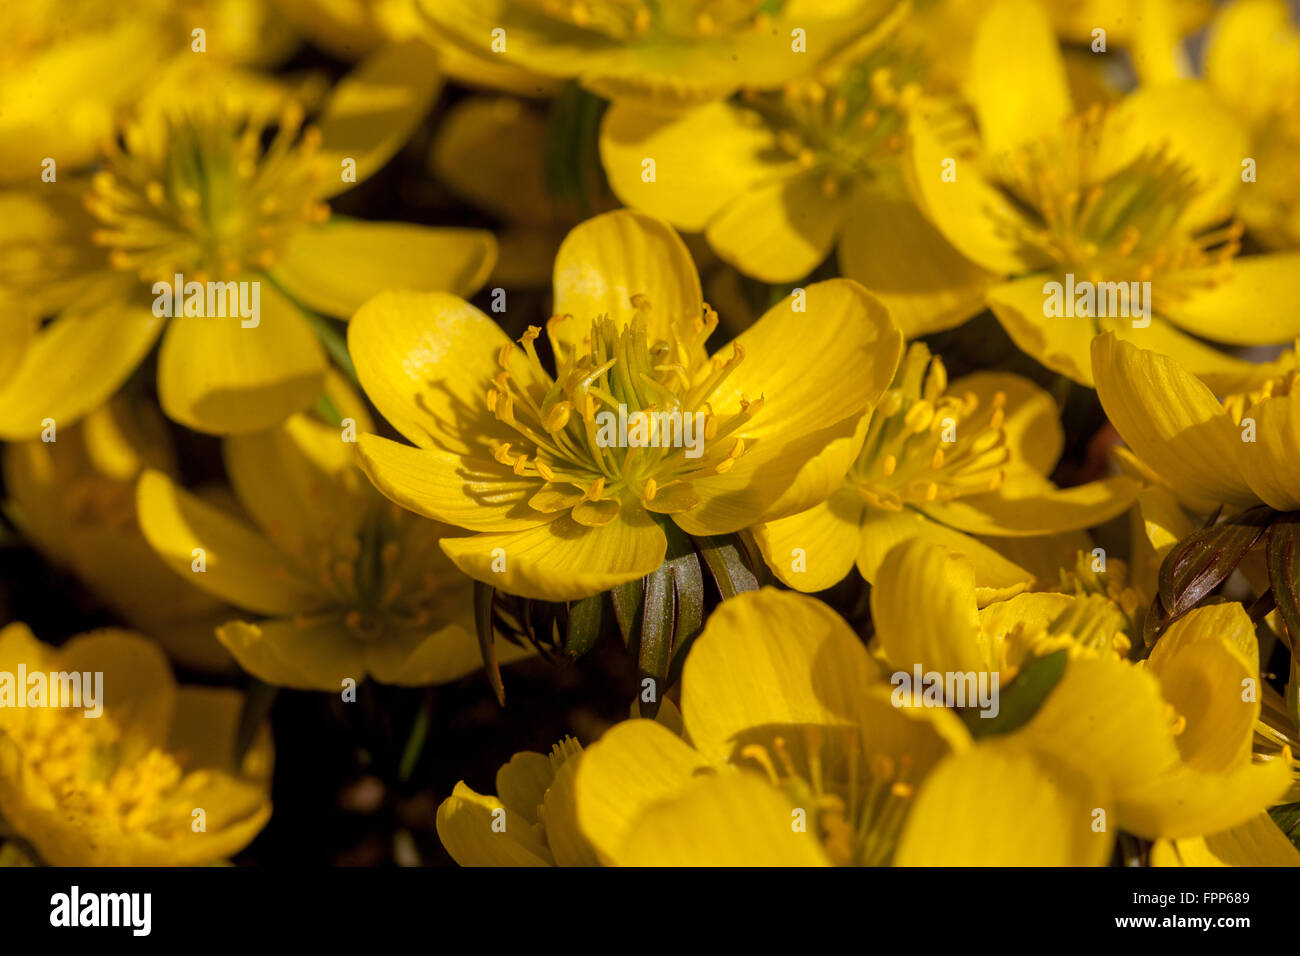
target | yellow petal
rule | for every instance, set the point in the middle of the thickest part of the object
(814, 549)
(995, 574)
(846, 335)
(1108, 718)
(1060, 343)
(219, 376)
(926, 284)
(427, 362)
(734, 819)
(1017, 76)
(779, 231)
(478, 494)
(606, 260)
(1257, 842)
(1250, 55)
(304, 653)
(478, 830)
(1027, 504)
(241, 566)
(636, 764)
(703, 158)
(374, 109)
(970, 213)
(923, 605)
(335, 268)
(996, 806)
(770, 658)
(1256, 286)
(563, 834)
(563, 560)
(1171, 421)
(522, 782)
(1223, 372)
(1208, 667)
(73, 365)
(1268, 463)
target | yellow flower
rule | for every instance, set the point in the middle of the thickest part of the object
(531, 822)
(125, 788)
(1239, 452)
(1258, 842)
(796, 756)
(1137, 193)
(776, 179)
(668, 55)
(74, 499)
(566, 509)
(350, 586)
(1252, 61)
(191, 191)
(962, 464)
(1162, 750)
(349, 29)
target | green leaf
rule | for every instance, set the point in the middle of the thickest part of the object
(1287, 817)
(729, 563)
(582, 630)
(1020, 699)
(628, 600)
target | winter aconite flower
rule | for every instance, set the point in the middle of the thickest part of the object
(1139, 193)
(531, 821)
(566, 504)
(777, 179)
(1164, 749)
(74, 499)
(962, 463)
(1237, 452)
(796, 756)
(151, 781)
(662, 54)
(224, 185)
(348, 585)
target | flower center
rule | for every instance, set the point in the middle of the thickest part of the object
(194, 191)
(924, 445)
(624, 417)
(848, 123)
(1125, 226)
(855, 801)
(1244, 404)
(80, 760)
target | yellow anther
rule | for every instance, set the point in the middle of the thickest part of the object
(558, 417)
(890, 465)
(919, 417)
(931, 491)
(650, 489)
(596, 490)
(737, 449)
(520, 463)
(936, 460)
(544, 470)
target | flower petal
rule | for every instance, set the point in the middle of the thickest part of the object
(779, 231)
(1262, 287)
(240, 565)
(1017, 76)
(1171, 421)
(216, 375)
(469, 826)
(1031, 421)
(374, 109)
(312, 653)
(768, 658)
(606, 260)
(1257, 842)
(1027, 504)
(923, 605)
(926, 284)
(733, 819)
(1061, 343)
(814, 549)
(563, 560)
(636, 764)
(703, 157)
(73, 365)
(1269, 462)
(995, 806)
(335, 268)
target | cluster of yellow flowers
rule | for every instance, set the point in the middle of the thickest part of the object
(878, 615)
